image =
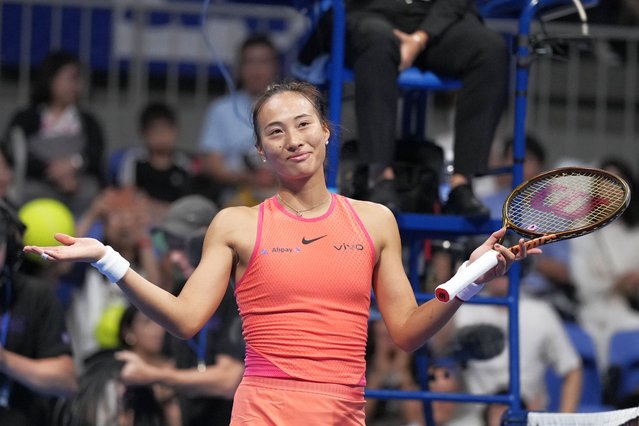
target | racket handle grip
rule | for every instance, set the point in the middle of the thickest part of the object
(451, 288)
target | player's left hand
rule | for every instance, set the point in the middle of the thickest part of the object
(505, 257)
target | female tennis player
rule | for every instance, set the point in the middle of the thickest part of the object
(303, 262)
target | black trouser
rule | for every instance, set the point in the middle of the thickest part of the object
(467, 51)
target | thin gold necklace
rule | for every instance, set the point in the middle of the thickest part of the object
(298, 213)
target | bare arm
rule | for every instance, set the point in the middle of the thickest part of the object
(219, 380)
(181, 315)
(409, 325)
(50, 376)
(571, 391)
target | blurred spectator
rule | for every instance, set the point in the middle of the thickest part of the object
(444, 378)
(56, 147)
(6, 179)
(102, 398)
(157, 168)
(549, 276)
(209, 367)
(542, 345)
(389, 367)
(534, 164)
(494, 413)
(35, 355)
(142, 340)
(227, 143)
(605, 270)
(125, 224)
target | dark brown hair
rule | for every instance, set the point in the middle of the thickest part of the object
(47, 71)
(307, 90)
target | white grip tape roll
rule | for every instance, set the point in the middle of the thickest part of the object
(466, 276)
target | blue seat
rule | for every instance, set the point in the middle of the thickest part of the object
(414, 85)
(624, 363)
(592, 390)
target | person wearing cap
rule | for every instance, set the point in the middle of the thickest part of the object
(180, 235)
(209, 366)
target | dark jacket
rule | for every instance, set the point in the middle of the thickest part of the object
(29, 121)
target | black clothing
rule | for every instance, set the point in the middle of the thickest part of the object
(459, 46)
(224, 337)
(36, 330)
(29, 121)
(166, 185)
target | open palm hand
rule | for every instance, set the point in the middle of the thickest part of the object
(72, 249)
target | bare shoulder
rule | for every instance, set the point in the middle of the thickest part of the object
(232, 223)
(378, 219)
(372, 212)
(234, 228)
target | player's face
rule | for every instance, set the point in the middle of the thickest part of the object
(293, 138)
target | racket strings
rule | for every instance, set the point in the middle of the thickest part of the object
(566, 202)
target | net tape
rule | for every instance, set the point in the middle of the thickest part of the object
(625, 417)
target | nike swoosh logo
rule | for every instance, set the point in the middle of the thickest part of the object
(312, 240)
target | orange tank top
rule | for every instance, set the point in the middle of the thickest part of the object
(304, 298)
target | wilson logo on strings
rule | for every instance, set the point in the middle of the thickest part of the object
(565, 202)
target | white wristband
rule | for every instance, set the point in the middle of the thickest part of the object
(112, 265)
(472, 289)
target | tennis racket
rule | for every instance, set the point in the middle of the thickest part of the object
(553, 206)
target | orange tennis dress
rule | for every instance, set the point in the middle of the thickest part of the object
(304, 301)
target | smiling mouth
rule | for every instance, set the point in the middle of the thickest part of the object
(300, 156)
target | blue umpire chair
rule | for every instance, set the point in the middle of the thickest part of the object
(415, 85)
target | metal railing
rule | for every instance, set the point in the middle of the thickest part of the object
(582, 106)
(135, 51)
(583, 97)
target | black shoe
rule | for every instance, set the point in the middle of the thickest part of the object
(462, 202)
(384, 192)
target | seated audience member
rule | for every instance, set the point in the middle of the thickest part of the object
(35, 354)
(227, 143)
(444, 378)
(606, 273)
(125, 224)
(389, 367)
(386, 37)
(56, 147)
(143, 338)
(543, 344)
(494, 413)
(209, 367)
(157, 167)
(549, 275)
(7, 191)
(102, 398)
